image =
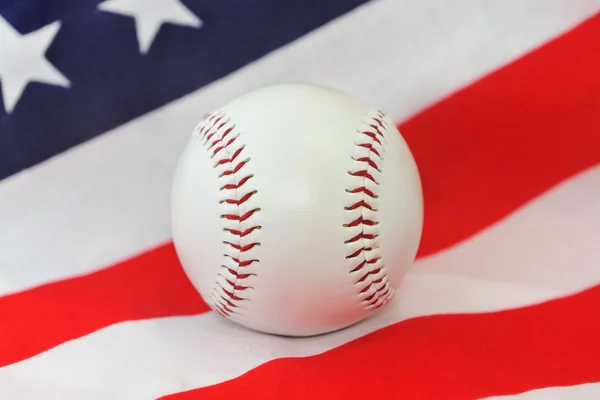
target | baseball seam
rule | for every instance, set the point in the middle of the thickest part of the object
(220, 137)
(374, 288)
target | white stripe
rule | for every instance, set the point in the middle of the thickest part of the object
(520, 258)
(147, 359)
(588, 391)
(109, 198)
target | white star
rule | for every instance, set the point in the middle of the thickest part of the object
(149, 15)
(22, 61)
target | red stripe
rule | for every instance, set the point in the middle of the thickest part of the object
(458, 357)
(150, 285)
(503, 140)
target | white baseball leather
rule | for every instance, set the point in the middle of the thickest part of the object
(296, 209)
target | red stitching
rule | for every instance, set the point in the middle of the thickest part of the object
(241, 218)
(374, 278)
(359, 252)
(361, 236)
(361, 220)
(363, 190)
(218, 137)
(241, 233)
(361, 203)
(242, 248)
(232, 186)
(371, 148)
(235, 273)
(240, 201)
(364, 174)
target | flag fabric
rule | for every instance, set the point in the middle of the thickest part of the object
(498, 101)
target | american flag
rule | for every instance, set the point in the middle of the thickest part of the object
(498, 100)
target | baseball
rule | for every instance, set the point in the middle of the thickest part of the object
(296, 210)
